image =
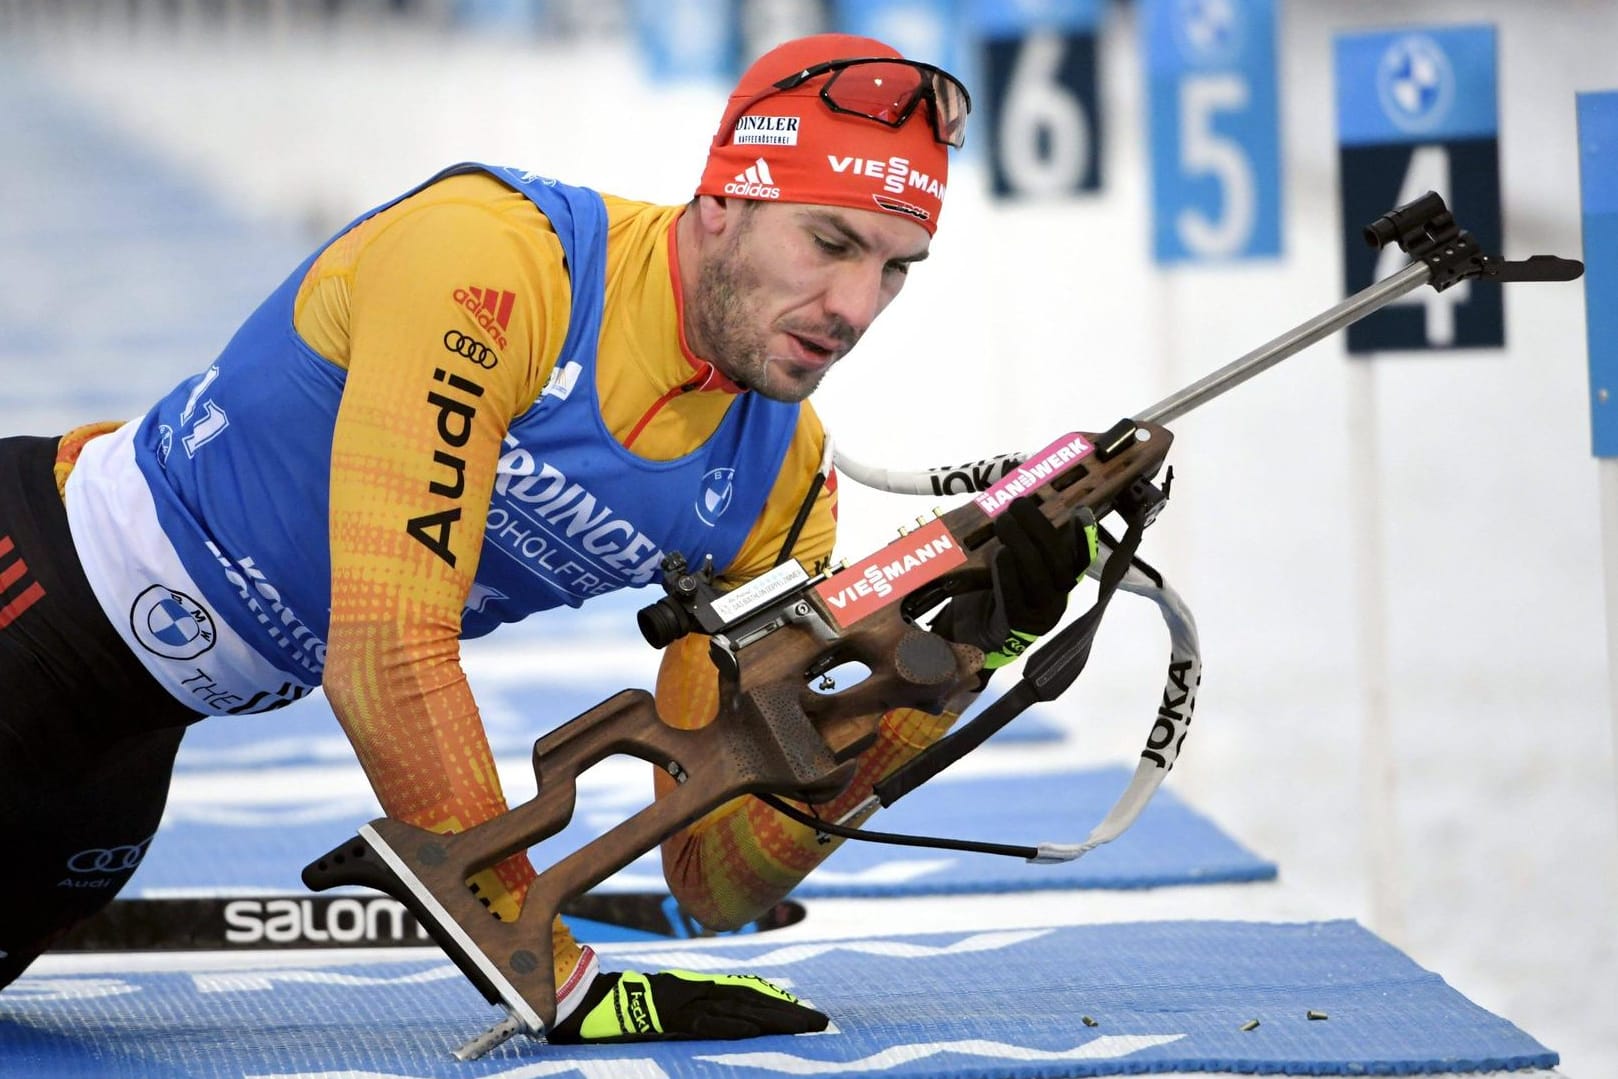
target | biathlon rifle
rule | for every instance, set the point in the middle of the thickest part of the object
(778, 733)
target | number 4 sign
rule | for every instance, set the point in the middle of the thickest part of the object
(1416, 112)
(1213, 128)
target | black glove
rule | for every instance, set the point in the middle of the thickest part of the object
(679, 1005)
(1037, 565)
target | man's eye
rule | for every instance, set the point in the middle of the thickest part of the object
(830, 247)
(898, 267)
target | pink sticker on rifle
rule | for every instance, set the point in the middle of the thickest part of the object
(1034, 473)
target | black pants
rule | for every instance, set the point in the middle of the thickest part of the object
(87, 737)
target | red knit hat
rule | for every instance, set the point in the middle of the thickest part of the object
(791, 146)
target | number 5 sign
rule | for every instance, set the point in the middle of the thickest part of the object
(1216, 188)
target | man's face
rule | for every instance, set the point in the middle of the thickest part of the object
(786, 289)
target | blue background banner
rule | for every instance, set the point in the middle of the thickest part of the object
(925, 30)
(1598, 187)
(1013, 18)
(686, 40)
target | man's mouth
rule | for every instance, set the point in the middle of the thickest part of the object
(815, 351)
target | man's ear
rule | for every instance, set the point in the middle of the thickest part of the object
(714, 214)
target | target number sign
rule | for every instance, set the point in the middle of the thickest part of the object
(1039, 96)
(1213, 128)
(1417, 112)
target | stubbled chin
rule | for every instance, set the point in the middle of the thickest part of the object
(786, 380)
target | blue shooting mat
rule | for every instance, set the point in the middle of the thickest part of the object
(1077, 1001)
(205, 847)
(1171, 843)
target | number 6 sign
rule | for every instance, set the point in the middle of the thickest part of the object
(1040, 97)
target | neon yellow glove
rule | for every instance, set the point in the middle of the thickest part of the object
(679, 1005)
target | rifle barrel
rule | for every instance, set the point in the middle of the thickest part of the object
(1295, 340)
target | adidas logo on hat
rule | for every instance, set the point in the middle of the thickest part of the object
(754, 182)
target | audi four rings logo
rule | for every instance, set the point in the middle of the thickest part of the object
(109, 860)
(471, 348)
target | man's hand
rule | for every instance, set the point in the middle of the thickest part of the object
(678, 1005)
(1037, 565)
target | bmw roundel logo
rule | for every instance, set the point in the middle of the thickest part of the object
(1415, 83)
(1208, 31)
(171, 624)
(714, 499)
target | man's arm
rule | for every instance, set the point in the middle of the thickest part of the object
(416, 444)
(734, 864)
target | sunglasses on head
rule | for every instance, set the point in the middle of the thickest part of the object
(884, 90)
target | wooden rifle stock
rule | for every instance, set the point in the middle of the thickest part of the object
(773, 733)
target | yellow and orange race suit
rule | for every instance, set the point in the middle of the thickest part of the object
(376, 303)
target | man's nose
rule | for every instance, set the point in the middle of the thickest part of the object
(854, 294)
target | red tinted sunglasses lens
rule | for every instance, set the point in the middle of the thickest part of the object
(950, 106)
(888, 93)
(884, 92)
